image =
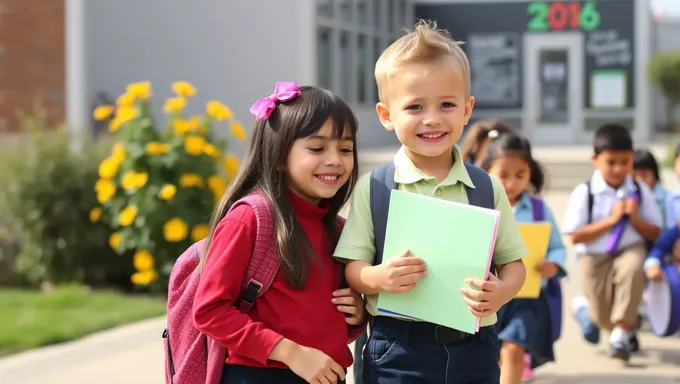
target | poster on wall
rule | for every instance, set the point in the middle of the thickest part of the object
(608, 89)
(494, 67)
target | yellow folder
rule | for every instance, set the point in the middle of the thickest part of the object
(536, 237)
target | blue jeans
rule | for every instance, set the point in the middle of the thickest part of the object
(404, 352)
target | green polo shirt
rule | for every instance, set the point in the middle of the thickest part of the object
(357, 239)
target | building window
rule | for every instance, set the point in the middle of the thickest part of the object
(324, 8)
(351, 36)
(324, 62)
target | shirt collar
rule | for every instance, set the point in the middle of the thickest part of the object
(598, 185)
(407, 173)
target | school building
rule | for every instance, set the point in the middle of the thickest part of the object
(554, 69)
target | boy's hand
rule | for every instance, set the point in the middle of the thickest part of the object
(487, 301)
(630, 207)
(654, 273)
(352, 304)
(617, 211)
(547, 269)
(400, 274)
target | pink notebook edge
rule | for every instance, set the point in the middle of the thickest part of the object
(497, 218)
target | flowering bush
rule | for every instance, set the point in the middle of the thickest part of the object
(157, 188)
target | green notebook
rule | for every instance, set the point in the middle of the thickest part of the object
(456, 242)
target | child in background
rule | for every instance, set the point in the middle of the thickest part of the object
(423, 83)
(525, 325)
(672, 206)
(477, 138)
(611, 274)
(301, 159)
(646, 170)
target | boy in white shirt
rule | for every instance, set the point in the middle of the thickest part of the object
(612, 277)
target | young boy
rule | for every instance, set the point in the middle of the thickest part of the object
(612, 277)
(424, 87)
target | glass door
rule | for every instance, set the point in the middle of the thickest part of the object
(553, 73)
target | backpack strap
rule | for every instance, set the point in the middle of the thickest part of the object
(537, 209)
(264, 263)
(381, 185)
(482, 194)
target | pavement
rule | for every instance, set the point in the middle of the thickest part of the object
(134, 354)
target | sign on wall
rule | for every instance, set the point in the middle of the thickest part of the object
(608, 28)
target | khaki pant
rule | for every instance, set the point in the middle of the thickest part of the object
(614, 286)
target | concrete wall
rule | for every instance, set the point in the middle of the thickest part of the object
(233, 51)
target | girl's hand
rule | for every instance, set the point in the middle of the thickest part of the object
(350, 303)
(547, 269)
(314, 366)
(488, 300)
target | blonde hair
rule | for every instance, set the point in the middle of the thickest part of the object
(425, 43)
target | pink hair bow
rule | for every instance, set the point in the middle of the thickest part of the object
(284, 91)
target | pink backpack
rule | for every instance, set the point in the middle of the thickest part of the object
(190, 356)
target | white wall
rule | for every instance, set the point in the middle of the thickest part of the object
(233, 50)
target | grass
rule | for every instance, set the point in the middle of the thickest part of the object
(30, 319)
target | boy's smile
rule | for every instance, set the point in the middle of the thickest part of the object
(427, 106)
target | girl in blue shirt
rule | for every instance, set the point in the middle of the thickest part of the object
(527, 327)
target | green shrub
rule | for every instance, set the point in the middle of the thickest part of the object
(46, 197)
(664, 73)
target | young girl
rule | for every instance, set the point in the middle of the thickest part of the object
(646, 170)
(301, 158)
(525, 325)
(477, 138)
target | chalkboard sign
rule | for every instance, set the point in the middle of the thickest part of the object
(609, 48)
(495, 68)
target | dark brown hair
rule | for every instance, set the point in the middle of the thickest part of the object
(478, 135)
(510, 144)
(263, 170)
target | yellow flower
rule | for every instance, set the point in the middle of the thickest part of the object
(174, 104)
(211, 150)
(167, 192)
(95, 214)
(195, 124)
(143, 278)
(238, 131)
(114, 125)
(231, 166)
(180, 127)
(134, 180)
(188, 180)
(155, 148)
(175, 230)
(217, 186)
(193, 145)
(103, 112)
(199, 232)
(141, 90)
(127, 99)
(183, 88)
(143, 261)
(115, 239)
(127, 216)
(218, 111)
(118, 152)
(108, 167)
(105, 190)
(125, 114)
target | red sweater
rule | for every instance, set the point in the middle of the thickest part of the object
(306, 316)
